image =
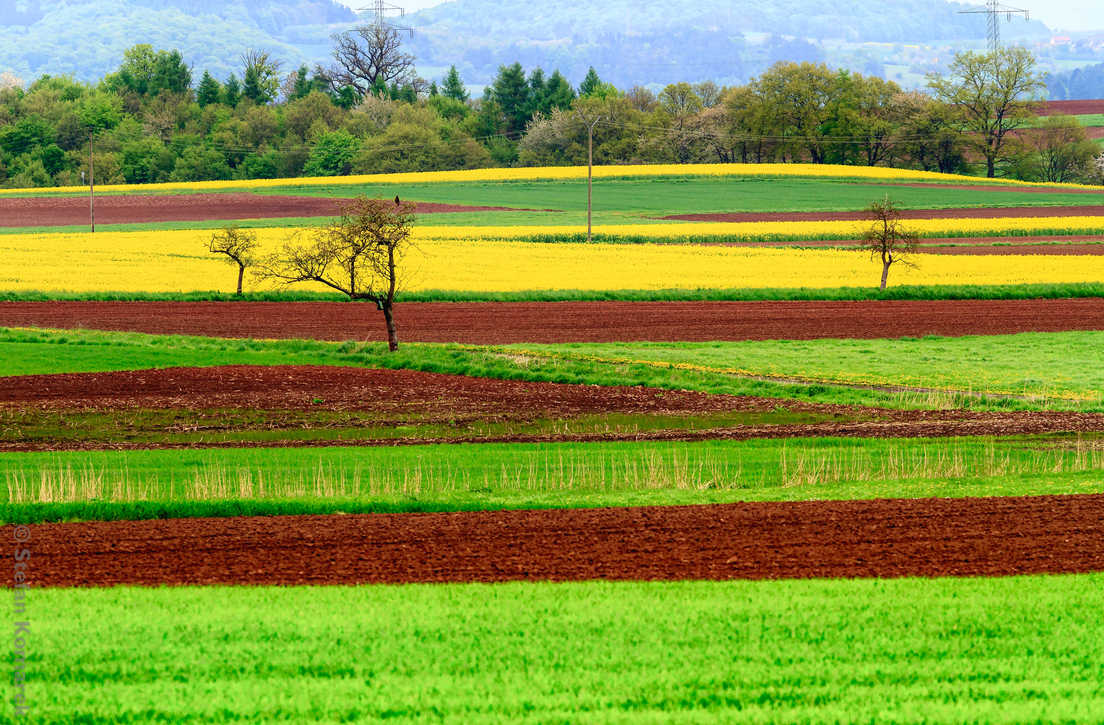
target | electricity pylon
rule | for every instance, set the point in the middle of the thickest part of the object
(381, 10)
(994, 10)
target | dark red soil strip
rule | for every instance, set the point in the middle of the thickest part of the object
(1071, 108)
(971, 213)
(387, 392)
(509, 322)
(996, 424)
(404, 396)
(829, 539)
(131, 209)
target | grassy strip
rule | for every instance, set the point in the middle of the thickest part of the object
(796, 294)
(908, 650)
(1058, 365)
(28, 352)
(227, 482)
(53, 429)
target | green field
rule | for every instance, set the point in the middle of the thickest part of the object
(640, 200)
(1030, 371)
(59, 486)
(1023, 649)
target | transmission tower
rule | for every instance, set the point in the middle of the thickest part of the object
(382, 11)
(995, 10)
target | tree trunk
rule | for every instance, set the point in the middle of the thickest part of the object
(990, 166)
(885, 273)
(241, 275)
(392, 335)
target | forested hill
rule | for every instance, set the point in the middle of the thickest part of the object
(657, 41)
(86, 38)
(630, 42)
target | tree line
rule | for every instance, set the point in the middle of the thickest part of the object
(368, 111)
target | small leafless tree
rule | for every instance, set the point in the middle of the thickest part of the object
(358, 254)
(239, 246)
(887, 238)
(367, 56)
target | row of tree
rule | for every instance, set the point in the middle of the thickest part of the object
(369, 112)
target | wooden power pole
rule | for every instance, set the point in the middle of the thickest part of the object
(590, 124)
(91, 183)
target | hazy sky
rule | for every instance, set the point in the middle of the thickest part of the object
(1058, 14)
(1061, 14)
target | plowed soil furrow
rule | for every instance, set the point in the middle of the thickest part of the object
(823, 539)
(548, 322)
(136, 209)
(964, 213)
(406, 392)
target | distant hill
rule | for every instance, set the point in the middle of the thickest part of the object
(659, 41)
(647, 42)
(86, 38)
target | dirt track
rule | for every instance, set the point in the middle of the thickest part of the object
(130, 209)
(503, 322)
(971, 213)
(932, 537)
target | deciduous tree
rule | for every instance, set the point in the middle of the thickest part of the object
(359, 255)
(887, 238)
(993, 93)
(238, 245)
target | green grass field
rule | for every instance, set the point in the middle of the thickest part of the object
(1028, 364)
(1030, 371)
(1009, 650)
(224, 482)
(640, 200)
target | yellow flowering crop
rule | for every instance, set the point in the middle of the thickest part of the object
(563, 172)
(174, 261)
(760, 231)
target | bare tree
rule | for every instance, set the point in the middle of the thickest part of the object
(240, 248)
(366, 57)
(358, 255)
(887, 238)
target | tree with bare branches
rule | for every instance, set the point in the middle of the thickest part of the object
(239, 246)
(359, 255)
(887, 238)
(368, 57)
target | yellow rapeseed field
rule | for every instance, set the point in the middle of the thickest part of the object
(174, 261)
(760, 231)
(563, 172)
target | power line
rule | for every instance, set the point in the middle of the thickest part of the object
(994, 10)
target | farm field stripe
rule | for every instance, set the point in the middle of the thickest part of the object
(821, 539)
(963, 213)
(487, 323)
(131, 209)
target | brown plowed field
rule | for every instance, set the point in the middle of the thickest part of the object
(510, 322)
(966, 213)
(73, 210)
(409, 397)
(409, 392)
(829, 539)
(1072, 108)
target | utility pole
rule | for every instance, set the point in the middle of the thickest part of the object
(994, 10)
(590, 123)
(91, 183)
